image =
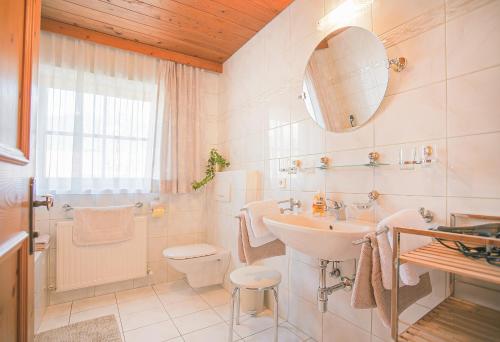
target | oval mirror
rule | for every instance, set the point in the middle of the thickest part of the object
(345, 79)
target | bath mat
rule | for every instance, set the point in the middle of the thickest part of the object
(101, 329)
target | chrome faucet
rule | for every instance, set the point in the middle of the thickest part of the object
(336, 208)
(293, 204)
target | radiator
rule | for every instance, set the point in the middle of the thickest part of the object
(84, 266)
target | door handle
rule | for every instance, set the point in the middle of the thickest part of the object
(48, 202)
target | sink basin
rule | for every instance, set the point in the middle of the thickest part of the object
(321, 237)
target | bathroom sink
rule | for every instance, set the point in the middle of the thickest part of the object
(321, 237)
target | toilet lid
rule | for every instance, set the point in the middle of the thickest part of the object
(189, 251)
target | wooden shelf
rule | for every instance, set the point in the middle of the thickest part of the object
(455, 320)
(439, 257)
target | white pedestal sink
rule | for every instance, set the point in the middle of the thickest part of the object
(321, 237)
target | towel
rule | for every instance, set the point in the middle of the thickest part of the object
(42, 242)
(409, 274)
(249, 254)
(258, 232)
(96, 226)
(369, 292)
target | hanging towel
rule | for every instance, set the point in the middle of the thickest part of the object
(258, 232)
(409, 274)
(96, 226)
(369, 292)
(42, 242)
(249, 254)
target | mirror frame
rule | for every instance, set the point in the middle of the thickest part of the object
(301, 96)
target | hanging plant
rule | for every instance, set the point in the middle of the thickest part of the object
(216, 162)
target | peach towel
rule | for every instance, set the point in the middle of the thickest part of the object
(249, 254)
(369, 292)
(96, 226)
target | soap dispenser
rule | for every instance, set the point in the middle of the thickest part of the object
(319, 204)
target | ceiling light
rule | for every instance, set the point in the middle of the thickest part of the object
(343, 13)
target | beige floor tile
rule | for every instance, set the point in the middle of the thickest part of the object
(53, 323)
(94, 313)
(187, 307)
(216, 332)
(172, 297)
(254, 324)
(157, 332)
(215, 295)
(139, 319)
(196, 321)
(55, 311)
(134, 294)
(93, 303)
(136, 305)
(224, 312)
(284, 335)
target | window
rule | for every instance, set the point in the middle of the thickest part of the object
(95, 130)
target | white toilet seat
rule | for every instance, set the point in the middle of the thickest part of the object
(203, 264)
(189, 251)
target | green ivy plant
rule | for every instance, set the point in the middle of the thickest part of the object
(215, 159)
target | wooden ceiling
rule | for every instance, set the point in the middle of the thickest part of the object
(204, 33)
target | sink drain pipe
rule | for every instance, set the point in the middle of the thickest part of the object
(324, 291)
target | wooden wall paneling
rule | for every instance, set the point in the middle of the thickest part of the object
(180, 44)
(217, 9)
(275, 6)
(109, 13)
(186, 16)
(167, 43)
(105, 39)
(252, 8)
(209, 29)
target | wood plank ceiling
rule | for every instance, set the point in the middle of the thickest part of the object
(207, 30)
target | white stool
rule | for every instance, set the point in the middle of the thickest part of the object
(256, 278)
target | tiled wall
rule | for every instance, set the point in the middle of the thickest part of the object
(183, 222)
(446, 97)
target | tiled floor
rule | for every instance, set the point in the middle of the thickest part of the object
(171, 312)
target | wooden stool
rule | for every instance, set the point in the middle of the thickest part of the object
(254, 278)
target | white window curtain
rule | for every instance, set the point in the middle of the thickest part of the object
(179, 161)
(97, 118)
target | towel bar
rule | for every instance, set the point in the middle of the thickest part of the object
(68, 207)
(378, 232)
(279, 202)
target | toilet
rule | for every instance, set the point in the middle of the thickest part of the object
(203, 264)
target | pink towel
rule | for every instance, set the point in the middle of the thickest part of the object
(369, 292)
(249, 254)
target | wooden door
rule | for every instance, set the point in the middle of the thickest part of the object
(19, 36)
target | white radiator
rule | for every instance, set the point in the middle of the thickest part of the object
(84, 266)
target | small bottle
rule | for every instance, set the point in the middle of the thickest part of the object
(319, 204)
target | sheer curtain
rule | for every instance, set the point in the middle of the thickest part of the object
(97, 118)
(178, 161)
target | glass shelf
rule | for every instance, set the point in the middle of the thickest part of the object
(406, 167)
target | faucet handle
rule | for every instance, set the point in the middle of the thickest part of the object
(338, 204)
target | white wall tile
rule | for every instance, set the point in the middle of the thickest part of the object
(307, 138)
(472, 40)
(417, 112)
(424, 181)
(473, 103)
(412, 116)
(387, 14)
(349, 179)
(337, 329)
(426, 64)
(303, 281)
(473, 167)
(306, 317)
